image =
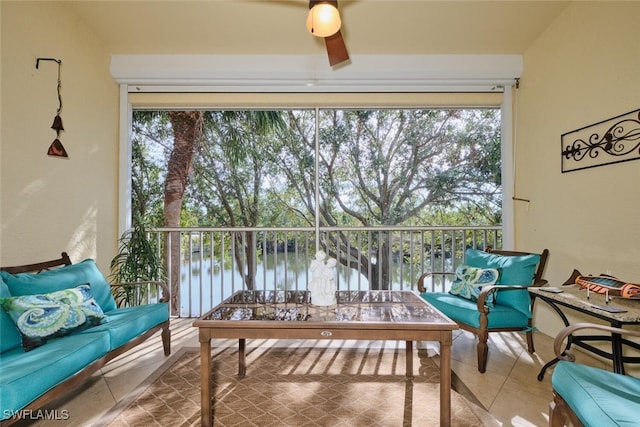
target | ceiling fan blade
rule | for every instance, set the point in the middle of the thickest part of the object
(336, 49)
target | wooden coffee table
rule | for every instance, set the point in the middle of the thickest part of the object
(358, 315)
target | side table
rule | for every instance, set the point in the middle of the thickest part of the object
(574, 298)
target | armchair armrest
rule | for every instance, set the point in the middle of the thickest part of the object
(558, 348)
(484, 293)
(421, 287)
(164, 297)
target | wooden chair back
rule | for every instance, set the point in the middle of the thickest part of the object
(537, 278)
(40, 266)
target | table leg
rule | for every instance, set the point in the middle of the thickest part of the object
(565, 320)
(205, 382)
(445, 382)
(409, 357)
(616, 351)
(242, 361)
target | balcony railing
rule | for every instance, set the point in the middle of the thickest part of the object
(216, 262)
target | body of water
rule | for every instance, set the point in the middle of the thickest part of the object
(204, 283)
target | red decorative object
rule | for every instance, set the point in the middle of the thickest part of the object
(57, 149)
(605, 284)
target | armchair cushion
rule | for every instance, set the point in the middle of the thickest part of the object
(470, 280)
(596, 396)
(65, 277)
(466, 311)
(514, 270)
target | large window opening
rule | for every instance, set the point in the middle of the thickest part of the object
(360, 164)
(361, 167)
(388, 192)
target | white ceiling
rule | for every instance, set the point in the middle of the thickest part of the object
(278, 26)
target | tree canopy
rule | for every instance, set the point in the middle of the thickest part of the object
(379, 167)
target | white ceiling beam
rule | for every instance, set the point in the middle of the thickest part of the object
(311, 73)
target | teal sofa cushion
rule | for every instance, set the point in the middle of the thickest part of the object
(26, 376)
(124, 324)
(10, 338)
(598, 397)
(514, 270)
(40, 317)
(466, 311)
(65, 277)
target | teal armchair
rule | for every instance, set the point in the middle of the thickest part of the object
(489, 294)
(589, 396)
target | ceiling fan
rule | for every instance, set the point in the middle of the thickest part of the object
(324, 21)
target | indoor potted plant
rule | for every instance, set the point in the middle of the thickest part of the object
(137, 260)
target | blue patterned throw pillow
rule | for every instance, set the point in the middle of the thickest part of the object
(470, 280)
(39, 317)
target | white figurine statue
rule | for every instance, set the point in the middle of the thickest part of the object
(323, 285)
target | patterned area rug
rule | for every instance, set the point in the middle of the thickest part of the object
(298, 387)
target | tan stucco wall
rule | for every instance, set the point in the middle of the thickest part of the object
(52, 204)
(582, 70)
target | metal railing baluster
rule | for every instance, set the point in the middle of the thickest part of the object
(210, 271)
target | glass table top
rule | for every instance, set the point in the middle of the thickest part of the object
(352, 306)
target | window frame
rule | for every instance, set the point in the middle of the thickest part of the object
(166, 81)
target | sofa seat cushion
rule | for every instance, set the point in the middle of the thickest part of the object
(598, 397)
(26, 376)
(465, 311)
(65, 277)
(124, 324)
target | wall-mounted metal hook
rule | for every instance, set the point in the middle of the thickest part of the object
(59, 61)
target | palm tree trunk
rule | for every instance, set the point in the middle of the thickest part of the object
(187, 128)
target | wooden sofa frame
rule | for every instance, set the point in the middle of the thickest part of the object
(81, 376)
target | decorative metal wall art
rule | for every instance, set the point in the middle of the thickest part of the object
(56, 148)
(611, 141)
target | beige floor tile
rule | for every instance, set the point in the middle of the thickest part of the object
(504, 350)
(484, 386)
(523, 400)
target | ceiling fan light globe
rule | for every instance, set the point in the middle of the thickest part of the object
(323, 20)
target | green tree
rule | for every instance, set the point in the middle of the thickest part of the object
(147, 174)
(187, 131)
(375, 168)
(388, 167)
(231, 169)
